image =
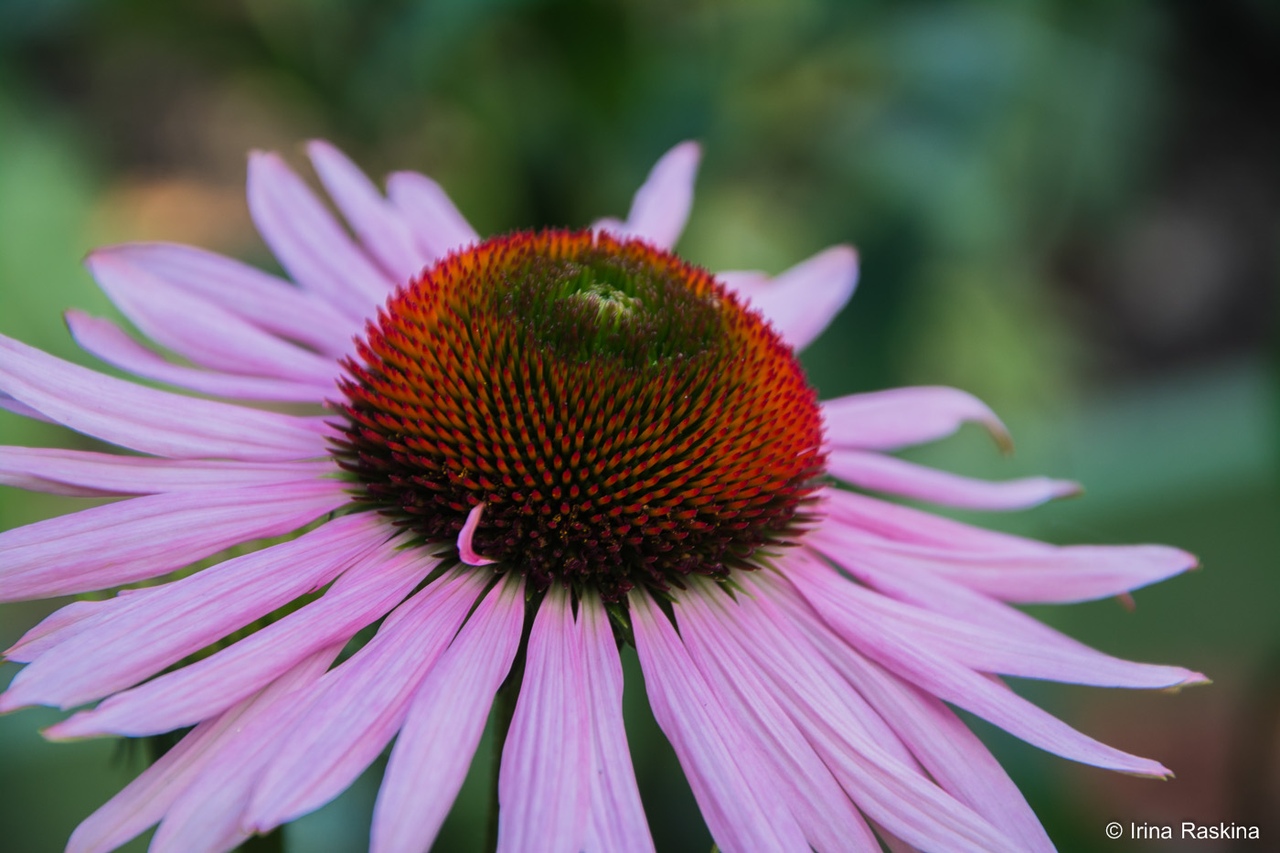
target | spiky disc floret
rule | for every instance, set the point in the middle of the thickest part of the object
(621, 416)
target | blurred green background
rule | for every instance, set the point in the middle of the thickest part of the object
(1069, 208)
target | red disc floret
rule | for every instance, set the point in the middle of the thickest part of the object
(621, 416)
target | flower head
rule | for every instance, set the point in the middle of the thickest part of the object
(533, 448)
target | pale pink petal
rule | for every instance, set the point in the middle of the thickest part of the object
(357, 707)
(900, 653)
(145, 537)
(51, 630)
(437, 225)
(465, 552)
(270, 303)
(881, 473)
(199, 329)
(135, 636)
(90, 474)
(113, 345)
(848, 735)
(543, 791)
(365, 593)
(9, 404)
(900, 417)
(745, 283)
(616, 822)
(828, 817)
(146, 799)
(444, 724)
(803, 300)
(308, 242)
(720, 759)
(378, 225)
(661, 206)
(148, 420)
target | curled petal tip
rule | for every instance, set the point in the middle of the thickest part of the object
(465, 552)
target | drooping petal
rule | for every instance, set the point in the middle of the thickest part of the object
(357, 707)
(466, 553)
(366, 592)
(723, 765)
(437, 225)
(149, 536)
(901, 417)
(616, 821)
(379, 226)
(308, 242)
(543, 791)
(803, 300)
(444, 724)
(132, 637)
(270, 303)
(661, 206)
(200, 330)
(148, 420)
(881, 473)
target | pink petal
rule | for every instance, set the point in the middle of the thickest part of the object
(444, 724)
(544, 794)
(269, 303)
(661, 206)
(110, 343)
(52, 630)
(308, 242)
(465, 552)
(436, 223)
(148, 420)
(135, 636)
(881, 473)
(145, 800)
(90, 474)
(145, 537)
(828, 817)
(378, 225)
(9, 404)
(365, 593)
(720, 759)
(900, 417)
(803, 300)
(616, 821)
(357, 707)
(200, 330)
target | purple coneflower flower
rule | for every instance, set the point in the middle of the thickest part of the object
(535, 448)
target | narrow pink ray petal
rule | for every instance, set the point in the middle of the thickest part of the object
(444, 724)
(84, 472)
(901, 417)
(977, 631)
(356, 708)
(113, 345)
(661, 206)
(379, 226)
(145, 800)
(1010, 569)
(145, 537)
(828, 817)
(51, 630)
(199, 329)
(803, 300)
(435, 221)
(465, 552)
(205, 817)
(148, 420)
(616, 821)
(365, 593)
(957, 684)
(543, 791)
(308, 242)
(881, 473)
(848, 735)
(136, 636)
(745, 283)
(951, 753)
(720, 759)
(268, 302)
(9, 404)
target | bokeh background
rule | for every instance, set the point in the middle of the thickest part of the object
(1070, 208)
